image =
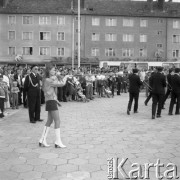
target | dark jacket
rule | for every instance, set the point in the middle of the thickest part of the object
(35, 80)
(169, 85)
(175, 81)
(158, 82)
(134, 83)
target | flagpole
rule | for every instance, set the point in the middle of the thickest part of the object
(79, 35)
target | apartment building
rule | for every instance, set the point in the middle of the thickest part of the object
(110, 30)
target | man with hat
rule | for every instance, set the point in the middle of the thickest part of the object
(175, 94)
(134, 87)
(32, 87)
(158, 84)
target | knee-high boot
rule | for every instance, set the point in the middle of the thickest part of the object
(58, 142)
(42, 141)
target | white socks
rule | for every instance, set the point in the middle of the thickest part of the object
(58, 142)
(42, 141)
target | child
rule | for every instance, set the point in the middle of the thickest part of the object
(3, 93)
(14, 92)
(80, 93)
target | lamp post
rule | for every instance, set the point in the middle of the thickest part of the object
(79, 35)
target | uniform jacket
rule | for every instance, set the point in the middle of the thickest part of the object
(175, 81)
(158, 83)
(134, 83)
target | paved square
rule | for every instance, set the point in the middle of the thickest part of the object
(93, 132)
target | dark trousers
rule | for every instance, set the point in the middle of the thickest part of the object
(14, 100)
(112, 89)
(34, 104)
(124, 87)
(166, 96)
(134, 96)
(148, 98)
(65, 93)
(2, 104)
(100, 90)
(118, 88)
(24, 98)
(60, 93)
(174, 97)
(157, 100)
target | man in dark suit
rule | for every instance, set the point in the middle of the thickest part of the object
(158, 84)
(32, 87)
(175, 94)
(119, 81)
(169, 87)
(134, 87)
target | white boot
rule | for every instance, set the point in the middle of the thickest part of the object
(58, 142)
(42, 141)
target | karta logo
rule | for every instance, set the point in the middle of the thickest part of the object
(116, 170)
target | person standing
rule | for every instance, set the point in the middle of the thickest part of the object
(32, 87)
(134, 88)
(175, 94)
(158, 84)
(49, 87)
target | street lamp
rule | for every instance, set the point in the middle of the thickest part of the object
(79, 34)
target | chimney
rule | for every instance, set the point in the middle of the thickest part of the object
(3, 3)
(150, 2)
(161, 4)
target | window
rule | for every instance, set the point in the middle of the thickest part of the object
(128, 37)
(44, 51)
(111, 37)
(159, 45)
(143, 53)
(61, 36)
(95, 21)
(12, 19)
(95, 52)
(143, 23)
(160, 20)
(110, 52)
(143, 38)
(44, 20)
(61, 20)
(111, 22)
(176, 24)
(95, 37)
(159, 32)
(175, 54)
(12, 51)
(11, 35)
(45, 36)
(27, 35)
(27, 50)
(176, 38)
(128, 22)
(61, 51)
(27, 20)
(127, 52)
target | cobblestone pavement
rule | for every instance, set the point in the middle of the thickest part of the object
(93, 132)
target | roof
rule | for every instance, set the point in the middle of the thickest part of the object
(107, 7)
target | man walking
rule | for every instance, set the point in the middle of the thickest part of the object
(134, 88)
(158, 84)
(32, 87)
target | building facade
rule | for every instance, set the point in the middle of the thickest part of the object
(110, 30)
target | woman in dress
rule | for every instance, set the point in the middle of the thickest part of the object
(49, 87)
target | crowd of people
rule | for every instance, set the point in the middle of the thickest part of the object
(82, 85)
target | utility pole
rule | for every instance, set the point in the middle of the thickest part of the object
(79, 35)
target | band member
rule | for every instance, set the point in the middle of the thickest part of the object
(158, 84)
(32, 87)
(175, 94)
(149, 89)
(169, 86)
(134, 88)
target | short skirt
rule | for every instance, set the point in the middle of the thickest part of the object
(51, 105)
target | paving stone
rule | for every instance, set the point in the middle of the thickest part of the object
(8, 175)
(30, 175)
(68, 156)
(36, 161)
(67, 168)
(58, 175)
(78, 161)
(45, 168)
(22, 168)
(57, 161)
(90, 167)
(80, 175)
(48, 156)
